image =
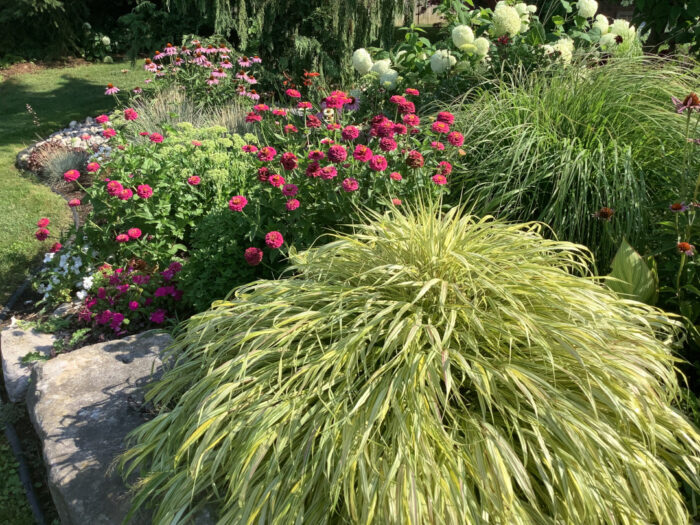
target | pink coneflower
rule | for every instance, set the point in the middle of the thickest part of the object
(244, 62)
(686, 248)
(218, 73)
(350, 133)
(150, 66)
(446, 117)
(74, 203)
(256, 59)
(226, 64)
(137, 90)
(439, 179)
(316, 154)
(289, 161)
(253, 256)
(158, 55)
(170, 49)
(690, 103)
(101, 119)
(71, 175)
(350, 184)
(237, 203)
(109, 133)
(411, 120)
(43, 222)
(362, 153)
(267, 153)
(304, 105)
(455, 138)
(250, 148)
(92, 167)
(337, 154)
(148, 81)
(252, 95)
(276, 180)
(292, 204)
(293, 93)
(111, 90)
(199, 59)
(274, 239)
(155, 137)
(412, 91)
(290, 190)
(678, 207)
(125, 194)
(250, 79)
(440, 127)
(378, 163)
(329, 172)
(143, 190)
(134, 233)
(395, 175)
(194, 180)
(56, 247)
(212, 80)
(290, 128)
(122, 237)
(41, 234)
(387, 144)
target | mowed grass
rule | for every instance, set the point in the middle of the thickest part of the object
(58, 96)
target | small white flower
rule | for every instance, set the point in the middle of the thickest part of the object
(87, 282)
(587, 8)
(601, 24)
(48, 256)
(532, 9)
(381, 66)
(482, 46)
(362, 61)
(105, 40)
(82, 294)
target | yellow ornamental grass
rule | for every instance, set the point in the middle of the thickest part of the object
(431, 368)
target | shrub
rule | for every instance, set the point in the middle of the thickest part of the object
(427, 369)
(559, 145)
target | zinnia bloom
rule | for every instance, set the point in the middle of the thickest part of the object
(290, 128)
(350, 133)
(274, 239)
(312, 121)
(395, 175)
(414, 159)
(316, 154)
(74, 203)
(43, 222)
(101, 119)
(686, 248)
(125, 194)
(267, 153)
(362, 153)
(56, 247)
(378, 163)
(289, 161)
(350, 184)
(111, 90)
(130, 114)
(134, 233)
(276, 180)
(304, 105)
(445, 167)
(156, 137)
(122, 237)
(250, 148)
(93, 167)
(289, 190)
(446, 117)
(263, 174)
(313, 169)
(412, 91)
(329, 172)
(440, 127)
(292, 204)
(194, 180)
(293, 93)
(253, 256)
(387, 144)
(259, 108)
(455, 138)
(439, 179)
(437, 145)
(337, 153)
(109, 133)
(253, 117)
(41, 234)
(411, 120)
(237, 203)
(71, 175)
(143, 190)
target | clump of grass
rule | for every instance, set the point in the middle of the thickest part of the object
(560, 144)
(430, 368)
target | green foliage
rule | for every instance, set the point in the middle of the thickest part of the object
(426, 369)
(632, 277)
(59, 161)
(669, 22)
(558, 145)
(13, 502)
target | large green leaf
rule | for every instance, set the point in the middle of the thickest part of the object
(632, 276)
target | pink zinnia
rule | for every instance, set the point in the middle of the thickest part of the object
(313, 169)
(407, 107)
(329, 172)
(196, 143)
(144, 133)
(263, 174)
(143, 190)
(445, 167)
(134, 233)
(101, 119)
(395, 175)
(350, 184)
(276, 180)
(387, 144)
(414, 159)
(455, 138)
(437, 145)
(312, 121)
(293, 93)
(411, 119)
(71, 175)
(289, 161)
(43, 222)
(279, 112)
(337, 153)
(399, 129)
(274, 239)
(74, 203)
(316, 154)
(56, 247)
(446, 117)
(267, 153)
(237, 203)
(194, 180)
(114, 187)
(253, 256)
(396, 202)
(130, 114)
(253, 117)
(290, 190)
(41, 234)
(304, 105)
(412, 91)
(93, 167)
(290, 128)
(125, 194)
(122, 237)
(259, 108)
(440, 127)
(397, 99)
(111, 90)
(362, 153)
(350, 133)
(378, 163)
(109, 133)
(439, 179)
(156, 137)
(250, 148)
(292, 204)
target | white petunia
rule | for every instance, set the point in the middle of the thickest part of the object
(48, 256)
(362, 61)
(82, 294)
(587, 8)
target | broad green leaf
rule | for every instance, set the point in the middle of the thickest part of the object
(632, 277)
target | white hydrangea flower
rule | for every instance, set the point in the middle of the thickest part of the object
(105, 40)
(82, 294)
(361, 61)
(462, 35)
(607, 41)
(521, 8)
(623, 28)
(601, 24)
(565, 46)
(381, 66)
(441, 61)
(506, 20)
(388, 79)
(587, 8)
(532, 9)
(482, 46)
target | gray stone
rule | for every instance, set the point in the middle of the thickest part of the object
(14, 345)
(82, 405)
(73, 123)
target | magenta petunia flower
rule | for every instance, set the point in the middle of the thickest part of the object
(276, 180)
(378, 163)
(73, 203)
(350, 184)
(156, 137)
(290, 190)
(362, 153)
(109, 133)
(101, 119)
(350, 133)
(337, 154)
(237, 203)
(293, 93)
(253, 256)
(292, 204)
(71, 175)
(111, 90)
(92, 167)
(42, 234)
(446, 117)
(194, 180)
(455, 138)
(133, 305)
(122, 237)
(267, 153)
(130, 114)
(143, 190)
(134, 233)
(274, 239)
(289, 161)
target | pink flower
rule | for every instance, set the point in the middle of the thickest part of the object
(414, 159)
(114, 188)
(130, 114)
(304, 105)
(290, 190)
(274, 239)
(446, 117)
(263, 174)
(253, 117)
(411, 119)
(387, 144)
(101, 119)
(93, 167)
(111, 90)
(350, 133)
(455, 138)
(312, 121)
(407, 107)
(328, 172)
(279, 112)
(396, 202)
(289, 161)
(133, 305)
(439, 179)
(397, 99)
(134, 233)
(313, 169)
(437, 145)
(293, 93)
(41, 234)
(290, 128)
(143, 190)
(385, 128)
(253, 256)
(73, 203)
(250, 148)
(316, 154)
(337, 154)
(362, 153)
(194, 180)
(125, 194)
(108, 133)
(122, 237)
(43, 222)
(276, 180)
(158, 316)
(267, 153)
(399, 129)
(378, 163)
(156, 137)
(412, 91)
(350, 184)
(292, 204)
(259, 108)
(196, 143)
(144, 133)
(237, 203)
(440, 127)
(395, 175)
(71, 175)
(175, 266)
(56, 247)
(445, 167)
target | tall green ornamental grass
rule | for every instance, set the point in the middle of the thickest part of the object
(428, 369)
(560, 144)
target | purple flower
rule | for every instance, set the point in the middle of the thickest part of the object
(158, 316)
(678, 207)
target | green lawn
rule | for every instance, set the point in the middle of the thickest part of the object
(57, 96)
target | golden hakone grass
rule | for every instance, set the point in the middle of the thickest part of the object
(429, 368)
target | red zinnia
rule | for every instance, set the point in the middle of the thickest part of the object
(289, 161)
(455, 138)
(42, 234)
(43, 222)
(156, 137)
(71, 175)
(293, 93)
(362, 153)
(130, 114)
(274, 239)
(337, 153)
(378, 163)
(253, 256)
(134, 233)
(414, 159)
(446, 117)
